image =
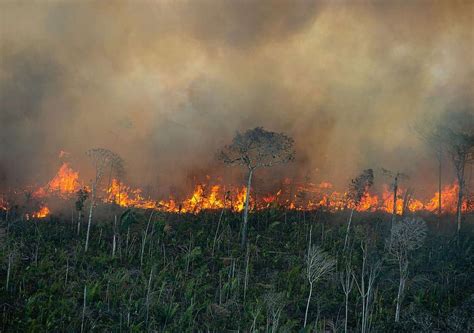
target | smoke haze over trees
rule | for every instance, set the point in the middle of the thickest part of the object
(166, 84)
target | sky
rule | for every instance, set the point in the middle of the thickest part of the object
(165, 84)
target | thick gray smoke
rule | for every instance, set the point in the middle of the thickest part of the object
(166, 83)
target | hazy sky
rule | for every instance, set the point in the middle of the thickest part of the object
(166, 83)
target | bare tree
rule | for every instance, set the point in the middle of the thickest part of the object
(457, 133)
(256, 148)
(406, 236)
(275, 303)
(396, 178)
(347, 282)
(318, 264)
(102, 159)
(357, 189)
(368, 274)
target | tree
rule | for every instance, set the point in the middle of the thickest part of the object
(82, 195)
(396, 178)
(366, 286)
(256, 148)
(347, 282)
(406, 236)
(430, 132)
(102, 159)
(357, 189)
(318, 264)
(457, 134)
(275, 303)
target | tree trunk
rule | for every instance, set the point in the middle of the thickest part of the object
(347, 312)
(460, 196)
(84, 308)
(439, 186)
(395, 190)
(246, 212)
(307, 304)
(401, 287)
(348, 228)
(114, 243)
(459, 206)
(90, 217)
(79, 216)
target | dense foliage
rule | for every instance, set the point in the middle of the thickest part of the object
(176, 273)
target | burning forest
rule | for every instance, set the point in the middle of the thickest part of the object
(237, 166)
(213, 195)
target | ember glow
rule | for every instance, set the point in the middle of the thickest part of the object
(215, 196)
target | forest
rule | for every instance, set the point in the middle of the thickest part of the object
(148, 271)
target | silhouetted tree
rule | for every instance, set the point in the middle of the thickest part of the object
(82, 195)
(396, 178)
(357, 189)
(457, 133)
(256, 148)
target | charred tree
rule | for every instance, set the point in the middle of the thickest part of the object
(357, 189)
(396, 178)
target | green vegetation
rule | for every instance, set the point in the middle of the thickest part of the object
(178, 273)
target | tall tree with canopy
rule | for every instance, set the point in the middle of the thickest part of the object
(253, 149)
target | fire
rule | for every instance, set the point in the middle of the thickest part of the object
(42, 212)
(387, 198)
(368, 203)
(449, 199)
(124, 196)
(3, 204)
(64, 183)
(211, 196)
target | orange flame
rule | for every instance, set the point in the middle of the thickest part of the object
(42, 212)
(64, 183)
(308, 196)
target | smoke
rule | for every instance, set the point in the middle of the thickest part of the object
(166, 83)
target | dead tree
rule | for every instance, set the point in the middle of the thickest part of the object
(102, 159)
(357, 189)
(318, 264)
(396, 178)
(347, 282)
(275, 304)
(366, 286)
(406, 236)
(82, 195)
(256, 148)
(458, 137)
